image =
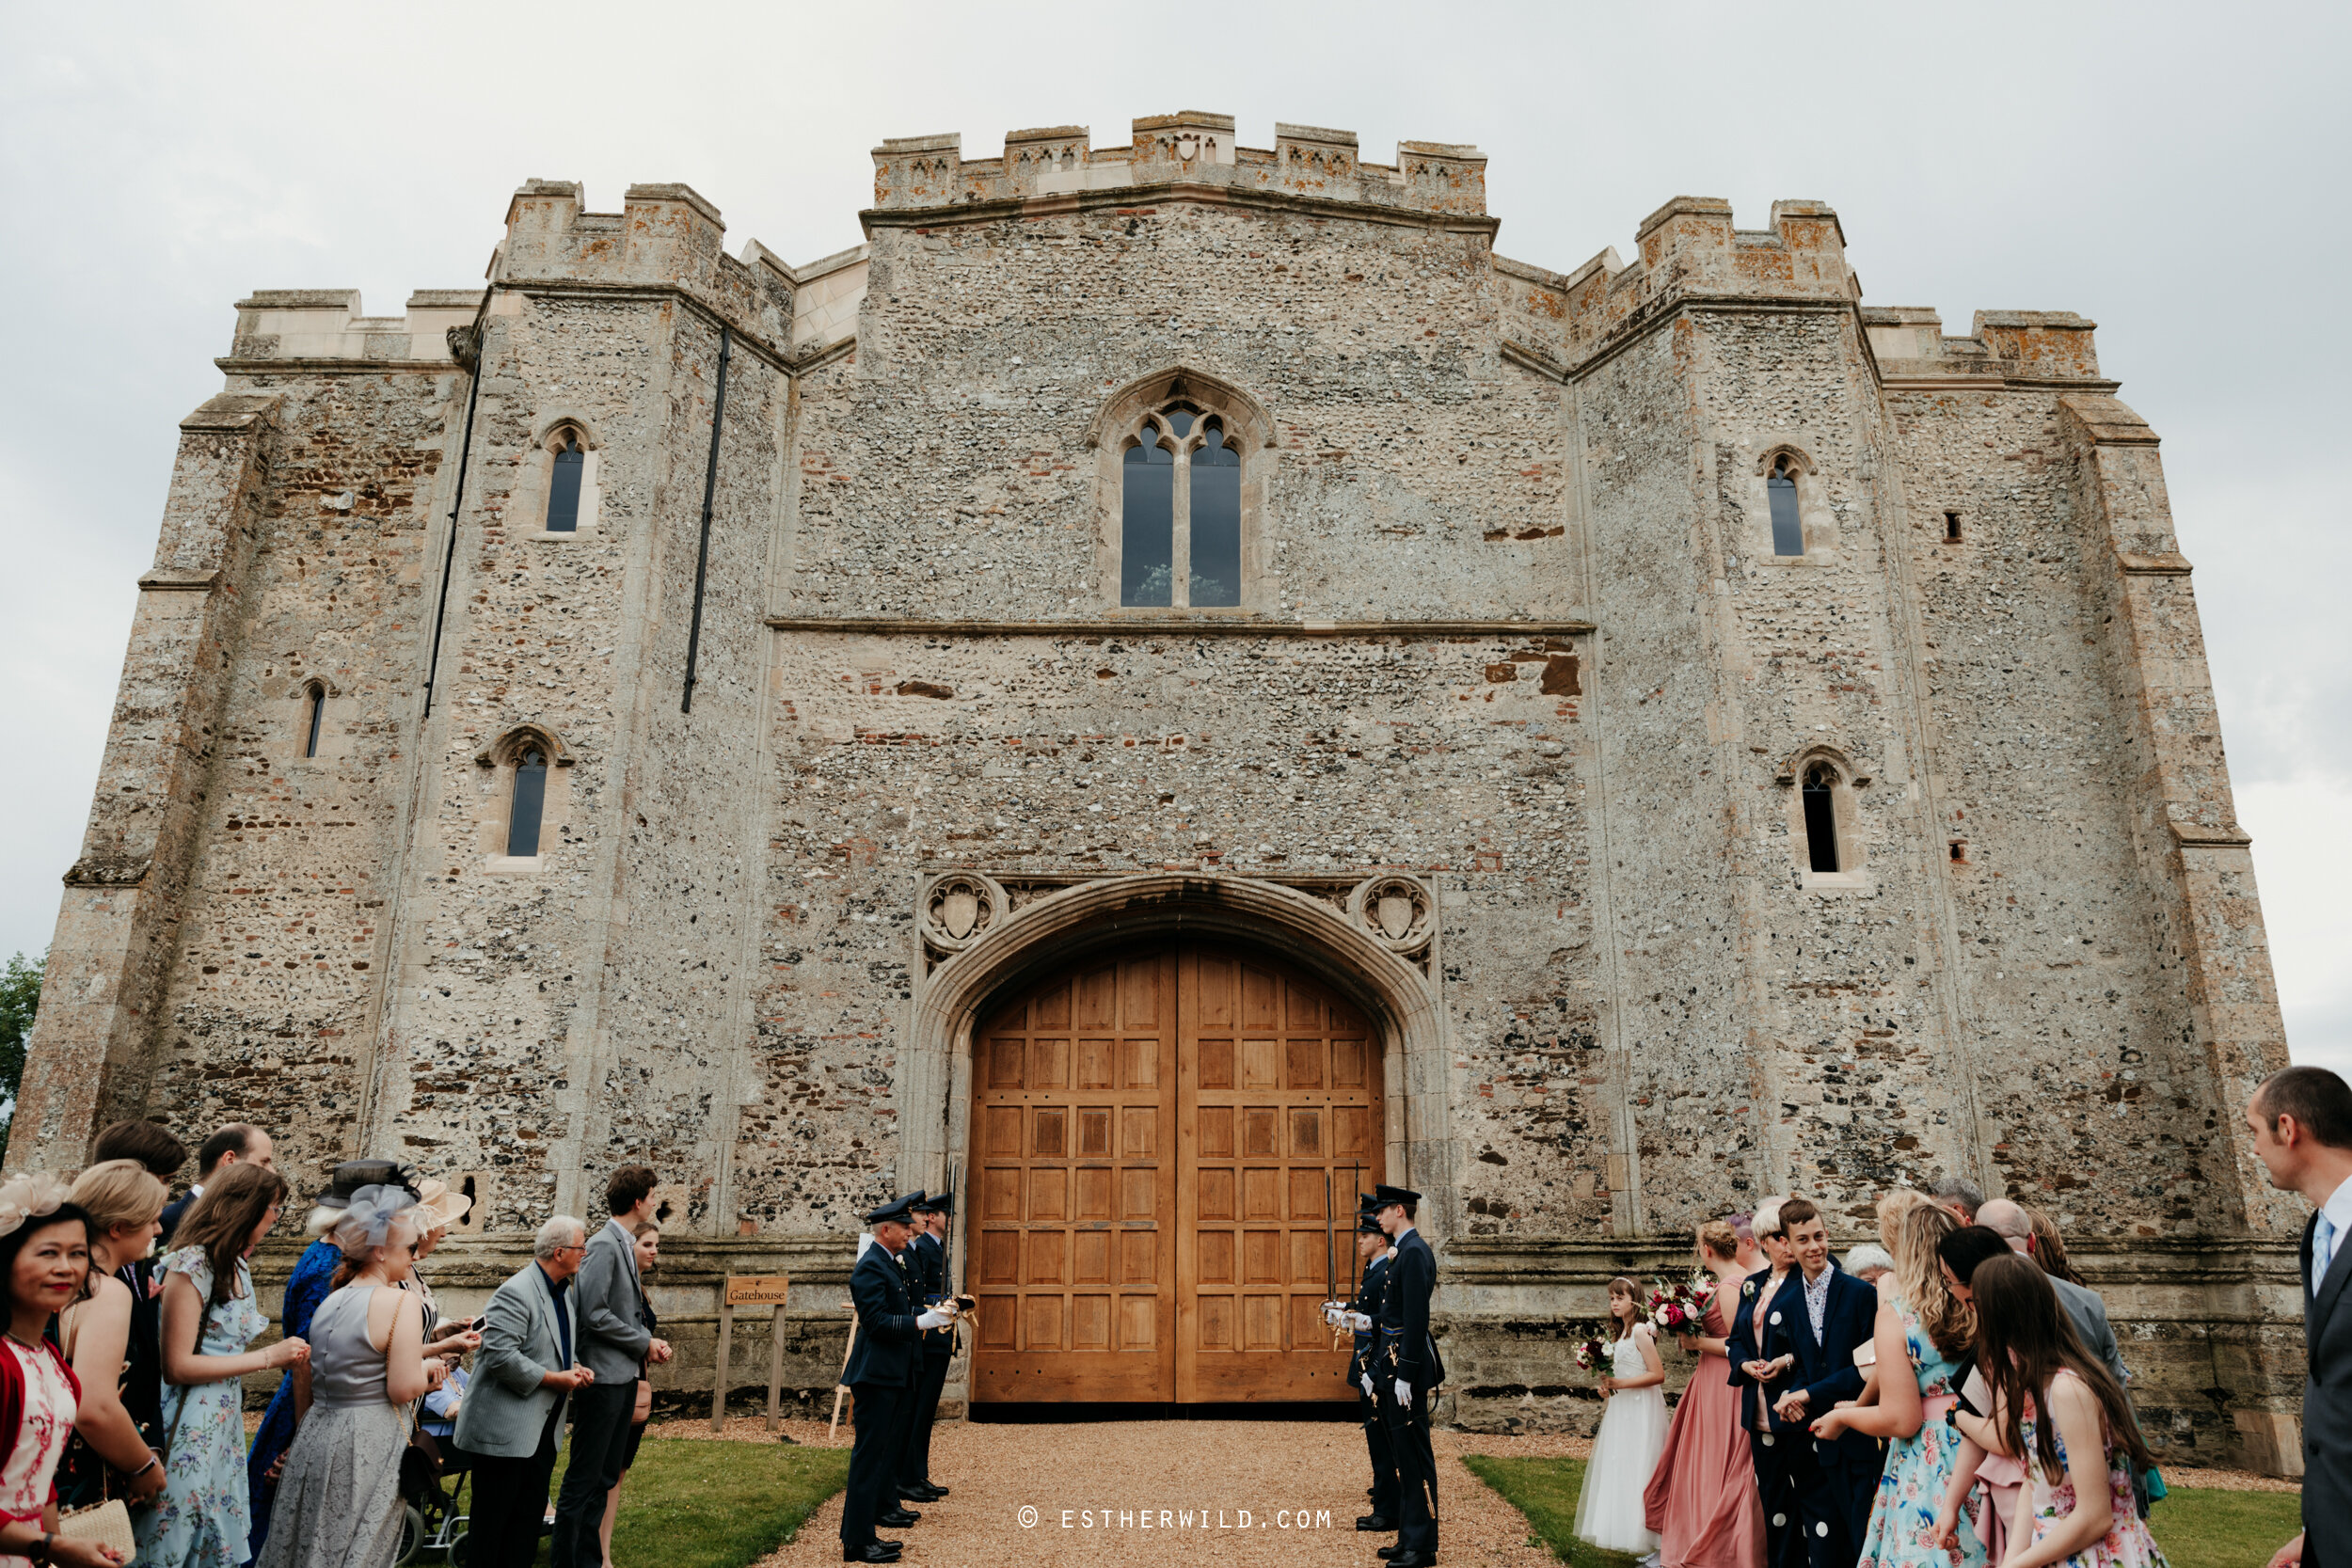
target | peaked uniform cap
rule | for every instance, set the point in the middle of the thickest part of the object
(897, 1211)
(936, 1203)
(1384, 1194)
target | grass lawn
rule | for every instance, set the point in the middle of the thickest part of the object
(693, 1504)
(2197, 1529)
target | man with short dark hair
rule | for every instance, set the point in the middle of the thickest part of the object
(616, 1346)
(2301, 1119)
(927, 1254)
(144, 1141)
(1820, 1324)
(1405, 1374)
(237, 1142)
(1961, 1195)
(881, 1376)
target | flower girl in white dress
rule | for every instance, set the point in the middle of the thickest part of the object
(1608, 1511)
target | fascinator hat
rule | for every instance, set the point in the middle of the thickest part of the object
(31, 1195)
(370, 1215)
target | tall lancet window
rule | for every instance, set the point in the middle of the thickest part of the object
(571, 466)
(1215, 473)
(1820, 818)
(530, 803)
(1181, 512)
(314, 699)
(1788, 527)
(1147, 535)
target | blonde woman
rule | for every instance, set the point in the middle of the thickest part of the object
(1702, 1503)
(1922, 1329)
(125, 1205)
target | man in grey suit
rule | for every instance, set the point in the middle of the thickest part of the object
(2301, 1119)
(512, 1415)
(2089, 1314)
(615, 1345)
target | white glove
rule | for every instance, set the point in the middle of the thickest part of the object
(1404, 1392)
(1366, 1383)
(935, 1318)
(1331, 1314)
(1360, 1321)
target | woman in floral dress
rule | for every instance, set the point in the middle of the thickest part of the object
(1922, 1334)
(209, 1316)
(2066, 1415)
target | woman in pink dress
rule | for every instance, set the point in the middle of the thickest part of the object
(44, 1260)
(1702, 1499)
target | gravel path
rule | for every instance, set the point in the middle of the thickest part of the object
(1215, 1470)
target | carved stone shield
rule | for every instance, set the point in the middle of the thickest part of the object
(959, 911)
(1396, 915)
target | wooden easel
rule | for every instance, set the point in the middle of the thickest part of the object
(840, 1389)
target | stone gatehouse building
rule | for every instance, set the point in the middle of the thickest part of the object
(1172, 681)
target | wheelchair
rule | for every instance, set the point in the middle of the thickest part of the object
(433, 1476)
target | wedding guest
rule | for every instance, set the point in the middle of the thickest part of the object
(2302, 1121)
(1751, 1257)
(312, 1278)
(524, 1378)
(2049, 1249)
(162, 1154)
(1821, 1316)
(1869, 1262)
(615, 1345)
(437, 1209)
(2066, 1414)
(649, 1257)
(1985, 1478)
(1756, 1376)
(1610, 1511)
(209, 1317)
(119, 1425)
(339, 1502)
(44, 1261)
(2015, 1225)
(1961, 1195)
(1922, 1325)
(235, 1143)
(1701, 1502)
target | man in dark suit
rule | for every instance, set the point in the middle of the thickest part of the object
(1760, 1379)
(881, 1378)
(2301, 1119)
(927, 1256)
(1406, 1375)
(1359, 1316)
(215, 1154)
(1819, 1316)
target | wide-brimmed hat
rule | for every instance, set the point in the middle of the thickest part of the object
(349, 1177)
(443, 1207)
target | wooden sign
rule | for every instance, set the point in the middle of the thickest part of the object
(756, 1289)
(751, 1290)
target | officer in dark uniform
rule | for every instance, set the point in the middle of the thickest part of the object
(928, 1256)
(881, 1376)
(1406, 1375)
(1359, 1315)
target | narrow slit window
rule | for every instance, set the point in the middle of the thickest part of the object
(1951, 528)
(1787, 528)
(314, 699)
(530, 800)
(1215, 520)
(570, 464)
(1147, 538)
(1820, 817)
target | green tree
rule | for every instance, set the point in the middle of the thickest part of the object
(20, 998)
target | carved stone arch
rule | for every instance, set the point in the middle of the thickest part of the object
(508, 748)
(1123, 408)
(552, 421)
(1065, 926)
(300, 689)
(1852, 870)
(1804, 756)
(1799, 459)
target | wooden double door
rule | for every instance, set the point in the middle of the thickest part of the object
(1155, 1139)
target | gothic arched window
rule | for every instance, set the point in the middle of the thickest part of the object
(530, 801)
(1788, 525)
(569, 467)
(1820, 818)
(1181, 512)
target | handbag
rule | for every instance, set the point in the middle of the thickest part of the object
(103, 1524)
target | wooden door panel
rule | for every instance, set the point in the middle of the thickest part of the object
(1160, 1141)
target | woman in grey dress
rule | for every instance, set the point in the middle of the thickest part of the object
(339, 1502)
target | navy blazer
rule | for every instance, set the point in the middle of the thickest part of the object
(886, 1334)
(2326, 1394)
(1404, 1315)
(1368, 1298)
(928, 1262)
(1742, 1345)
(1825, 1369)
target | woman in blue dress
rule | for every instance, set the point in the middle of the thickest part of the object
(1922, 1334)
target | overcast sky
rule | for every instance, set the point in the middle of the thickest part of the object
(2177, 173)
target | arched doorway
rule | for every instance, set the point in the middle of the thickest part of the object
(1154, 1135)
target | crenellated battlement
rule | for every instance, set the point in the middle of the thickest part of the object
(1191, 147)
(328, 323)
(1910, 344)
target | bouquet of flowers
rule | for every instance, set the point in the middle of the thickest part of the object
(1592, 1349)
(1679, 1305)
